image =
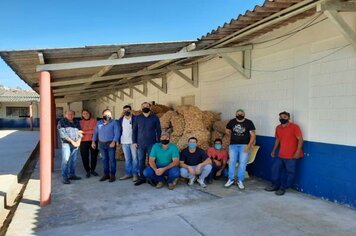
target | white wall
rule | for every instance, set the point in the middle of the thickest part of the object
(321, 95)
(3, 105)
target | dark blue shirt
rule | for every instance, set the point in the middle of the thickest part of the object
(146, 130)
(106, 132)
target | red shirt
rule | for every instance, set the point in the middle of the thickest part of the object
(220, 155)
(288, 141)
(87, 127)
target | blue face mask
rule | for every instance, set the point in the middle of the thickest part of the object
(217, 146)
(192, 145)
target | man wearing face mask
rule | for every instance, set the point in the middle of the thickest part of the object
(145, 133)
(163, 161)
(107, 133)
(219, 157)
(194, 163)
(125, 137)
(289, 139)
(242, 139)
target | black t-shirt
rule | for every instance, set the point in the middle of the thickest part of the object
(240, 131)
(193, 159)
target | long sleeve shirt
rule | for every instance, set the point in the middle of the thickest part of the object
(146, 130)
(106, 132)
(68, 130)
(87, 127)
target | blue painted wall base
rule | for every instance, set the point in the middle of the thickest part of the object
(18, 123)
(327, 171)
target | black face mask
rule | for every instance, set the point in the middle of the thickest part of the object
(127, 113)
(283, 121)
(106, 117)
(164, 142)
(146, 110)
(240, 117)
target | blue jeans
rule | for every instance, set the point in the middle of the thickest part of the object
(69, 159)
(172, 174)
(108, 155)
(287, 166)
(204, 172)
(237, 154)
(131, 162)
(215, 168)
(142, 152)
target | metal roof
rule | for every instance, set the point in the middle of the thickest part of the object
(240, 31)
(17, 95)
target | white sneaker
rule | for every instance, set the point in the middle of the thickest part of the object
(240, 185)
(201, 182)
(229, 183)
(191, 181)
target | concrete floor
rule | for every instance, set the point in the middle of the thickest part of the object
(90, 207)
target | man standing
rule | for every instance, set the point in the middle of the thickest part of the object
(70, 134)
(219, 157)
(163, 161)
(290, 140)
(107, 133)
(125, 137)
(146, 132)
(194, 163)
(243, 138)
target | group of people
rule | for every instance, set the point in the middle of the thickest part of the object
(151, 158)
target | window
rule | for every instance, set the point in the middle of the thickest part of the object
(17, 112)
(188, 100)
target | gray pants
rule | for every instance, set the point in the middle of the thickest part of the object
(205, 171)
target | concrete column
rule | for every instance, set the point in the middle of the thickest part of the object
(31, 117)
(45, 138)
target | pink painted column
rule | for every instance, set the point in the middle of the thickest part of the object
(31, 117)
(54, 129)
(45, 138)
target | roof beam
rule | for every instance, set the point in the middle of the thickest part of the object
(162, 87)
(141, 59)
(330, 9)
(143, 91)
(41, 58)
(194, 75)
(130, 94)
(115, 77)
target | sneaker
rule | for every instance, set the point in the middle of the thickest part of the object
(209, 181)
(240, 185)
(74, 177)
(201, 182)
(94, 173)
(191, 181)
(271, 188)
(160, 185)
(125, 177)
(66, 181)
(134, 178)
(171, 186)
(105, 177)
(280, 192)
(88, 174)
(229, 183)
(140, 181)
(175, 181)
(112, 178)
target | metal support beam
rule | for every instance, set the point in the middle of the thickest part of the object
(130, 94)
(143, 91)
(194, 75)
(331, 9)
(45, 138)
(112, 99)
(245, 73)
(121, 96)
(163, 87)
(141, 59)
(337, 5)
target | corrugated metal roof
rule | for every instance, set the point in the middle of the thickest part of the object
(17, 95)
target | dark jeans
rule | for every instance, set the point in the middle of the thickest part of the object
(287, 166)
(108, 155)
(171, 174)
(85, 150)
(214, 169)
(142, 152)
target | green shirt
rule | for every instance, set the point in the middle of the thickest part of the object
(164, 156)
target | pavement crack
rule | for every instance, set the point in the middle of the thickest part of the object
(191, 225)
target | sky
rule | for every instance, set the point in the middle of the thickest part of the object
(29, 24)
